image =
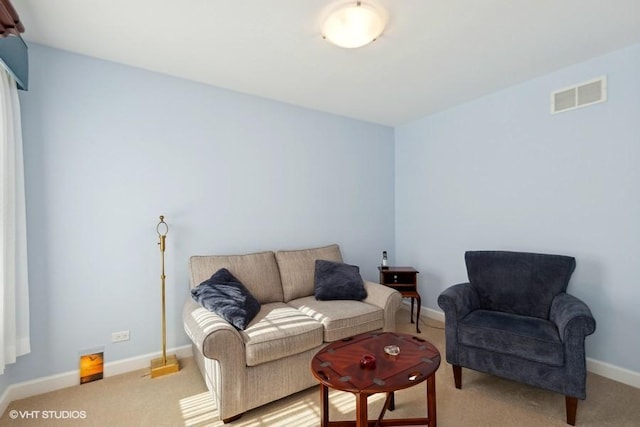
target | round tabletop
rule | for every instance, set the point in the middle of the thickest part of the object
(339, 365)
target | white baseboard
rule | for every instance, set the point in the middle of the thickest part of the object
(429, 313)
(598, 367)
(613, 372)
(71, 378)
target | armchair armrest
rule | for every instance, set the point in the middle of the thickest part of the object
(457, 301)
(572, 317)
(386, 298)
(574, 321)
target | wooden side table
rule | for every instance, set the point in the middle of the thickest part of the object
(405, 281)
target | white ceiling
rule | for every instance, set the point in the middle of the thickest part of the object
(434, 54)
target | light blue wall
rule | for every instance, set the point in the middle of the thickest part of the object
(502, 173)
(108, 148)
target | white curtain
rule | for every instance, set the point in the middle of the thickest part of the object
(14, 292)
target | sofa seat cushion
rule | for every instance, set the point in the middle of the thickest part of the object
(278, 331)
(530, 338)
(341, 318)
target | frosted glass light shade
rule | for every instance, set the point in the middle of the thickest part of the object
(353, 25)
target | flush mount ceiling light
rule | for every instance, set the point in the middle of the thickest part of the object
(354, 24)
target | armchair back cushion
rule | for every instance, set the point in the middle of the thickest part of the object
(517, 282)
(258, 272)
(297, 269)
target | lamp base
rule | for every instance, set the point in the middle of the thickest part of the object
(158, 368)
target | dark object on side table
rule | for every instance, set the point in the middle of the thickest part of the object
(515, 320)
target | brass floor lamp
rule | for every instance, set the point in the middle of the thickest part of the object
(166, 364)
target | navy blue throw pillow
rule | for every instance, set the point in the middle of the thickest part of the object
(335, 281)
(226, 296)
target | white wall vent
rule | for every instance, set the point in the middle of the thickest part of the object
(581, 95)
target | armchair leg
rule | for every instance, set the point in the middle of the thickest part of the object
(572, 408)
(457, 376)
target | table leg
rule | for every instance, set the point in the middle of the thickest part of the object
(362, 417)
(411, 317)
(431, 400)
(324, 405)
(418, 313)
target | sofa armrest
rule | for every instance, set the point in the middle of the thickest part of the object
(572, 317)
(386, 298)
(217, 340)
(215, 337)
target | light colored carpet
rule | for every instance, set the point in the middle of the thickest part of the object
(181, 399)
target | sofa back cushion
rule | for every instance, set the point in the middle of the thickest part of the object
(518, 282)
(297, 269)
(258, 272)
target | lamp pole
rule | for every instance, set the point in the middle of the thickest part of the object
(165, 364)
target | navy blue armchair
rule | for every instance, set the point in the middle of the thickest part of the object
(515, 320)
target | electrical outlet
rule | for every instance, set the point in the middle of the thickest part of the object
(120, 336)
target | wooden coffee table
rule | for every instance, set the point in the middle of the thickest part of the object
(338, 366)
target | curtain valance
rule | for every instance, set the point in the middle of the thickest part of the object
(13, 50)
(9, 20)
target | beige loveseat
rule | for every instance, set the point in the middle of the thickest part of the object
(271, 358)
